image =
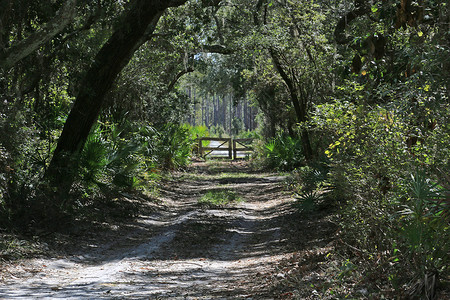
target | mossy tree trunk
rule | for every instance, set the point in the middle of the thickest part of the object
(137, 25)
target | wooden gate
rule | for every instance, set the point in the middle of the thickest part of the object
(223, 147)
(220, 146)
(242, 145)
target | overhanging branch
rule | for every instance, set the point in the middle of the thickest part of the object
(217, 49)
(178, 76)
(65, 15)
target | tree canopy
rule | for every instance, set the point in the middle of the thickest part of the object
(96, 95)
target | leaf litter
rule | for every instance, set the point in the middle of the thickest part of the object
(260, 248)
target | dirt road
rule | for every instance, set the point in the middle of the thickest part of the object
(181, 251)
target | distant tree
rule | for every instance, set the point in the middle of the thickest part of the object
(294, 37)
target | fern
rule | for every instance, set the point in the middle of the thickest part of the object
(283, 153)
(93, 158)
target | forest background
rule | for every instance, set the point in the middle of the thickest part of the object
(350, 97)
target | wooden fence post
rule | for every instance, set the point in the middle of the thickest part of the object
(200, 147)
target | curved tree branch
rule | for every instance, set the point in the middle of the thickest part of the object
(178, 76)
(339, 31)
(65, 15)
(217, 49)
(298, 102)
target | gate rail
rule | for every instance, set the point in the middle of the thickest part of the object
(224, 141)
(232, 146)
(242, 145)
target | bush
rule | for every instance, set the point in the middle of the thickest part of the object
(127, 158)
(196, 132)
(249, 135)
(283, 153)
(385, 211)
(424, 232)
(23, 156)
(174, 147)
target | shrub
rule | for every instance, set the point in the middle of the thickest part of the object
(174, 146)
(385, 211)
(424, 232)
(283, 153)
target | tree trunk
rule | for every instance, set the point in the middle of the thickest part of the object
(299, 106)
(217, 113)
(139, 22)
(231, 114)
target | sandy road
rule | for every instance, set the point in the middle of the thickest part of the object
(182, 252)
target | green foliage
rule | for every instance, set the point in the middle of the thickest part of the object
(126, 158)
(311, 185)
(217, 131)
(197, 132)
(383, 207)
(424, 226)
(311, 177)
(93, 158)
(250, 134)
(307, 200)
(24, 155)
(283, 153)
(219, 198)
(108, 158)
(174, 147)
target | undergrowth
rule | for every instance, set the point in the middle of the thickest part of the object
(219, 198)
